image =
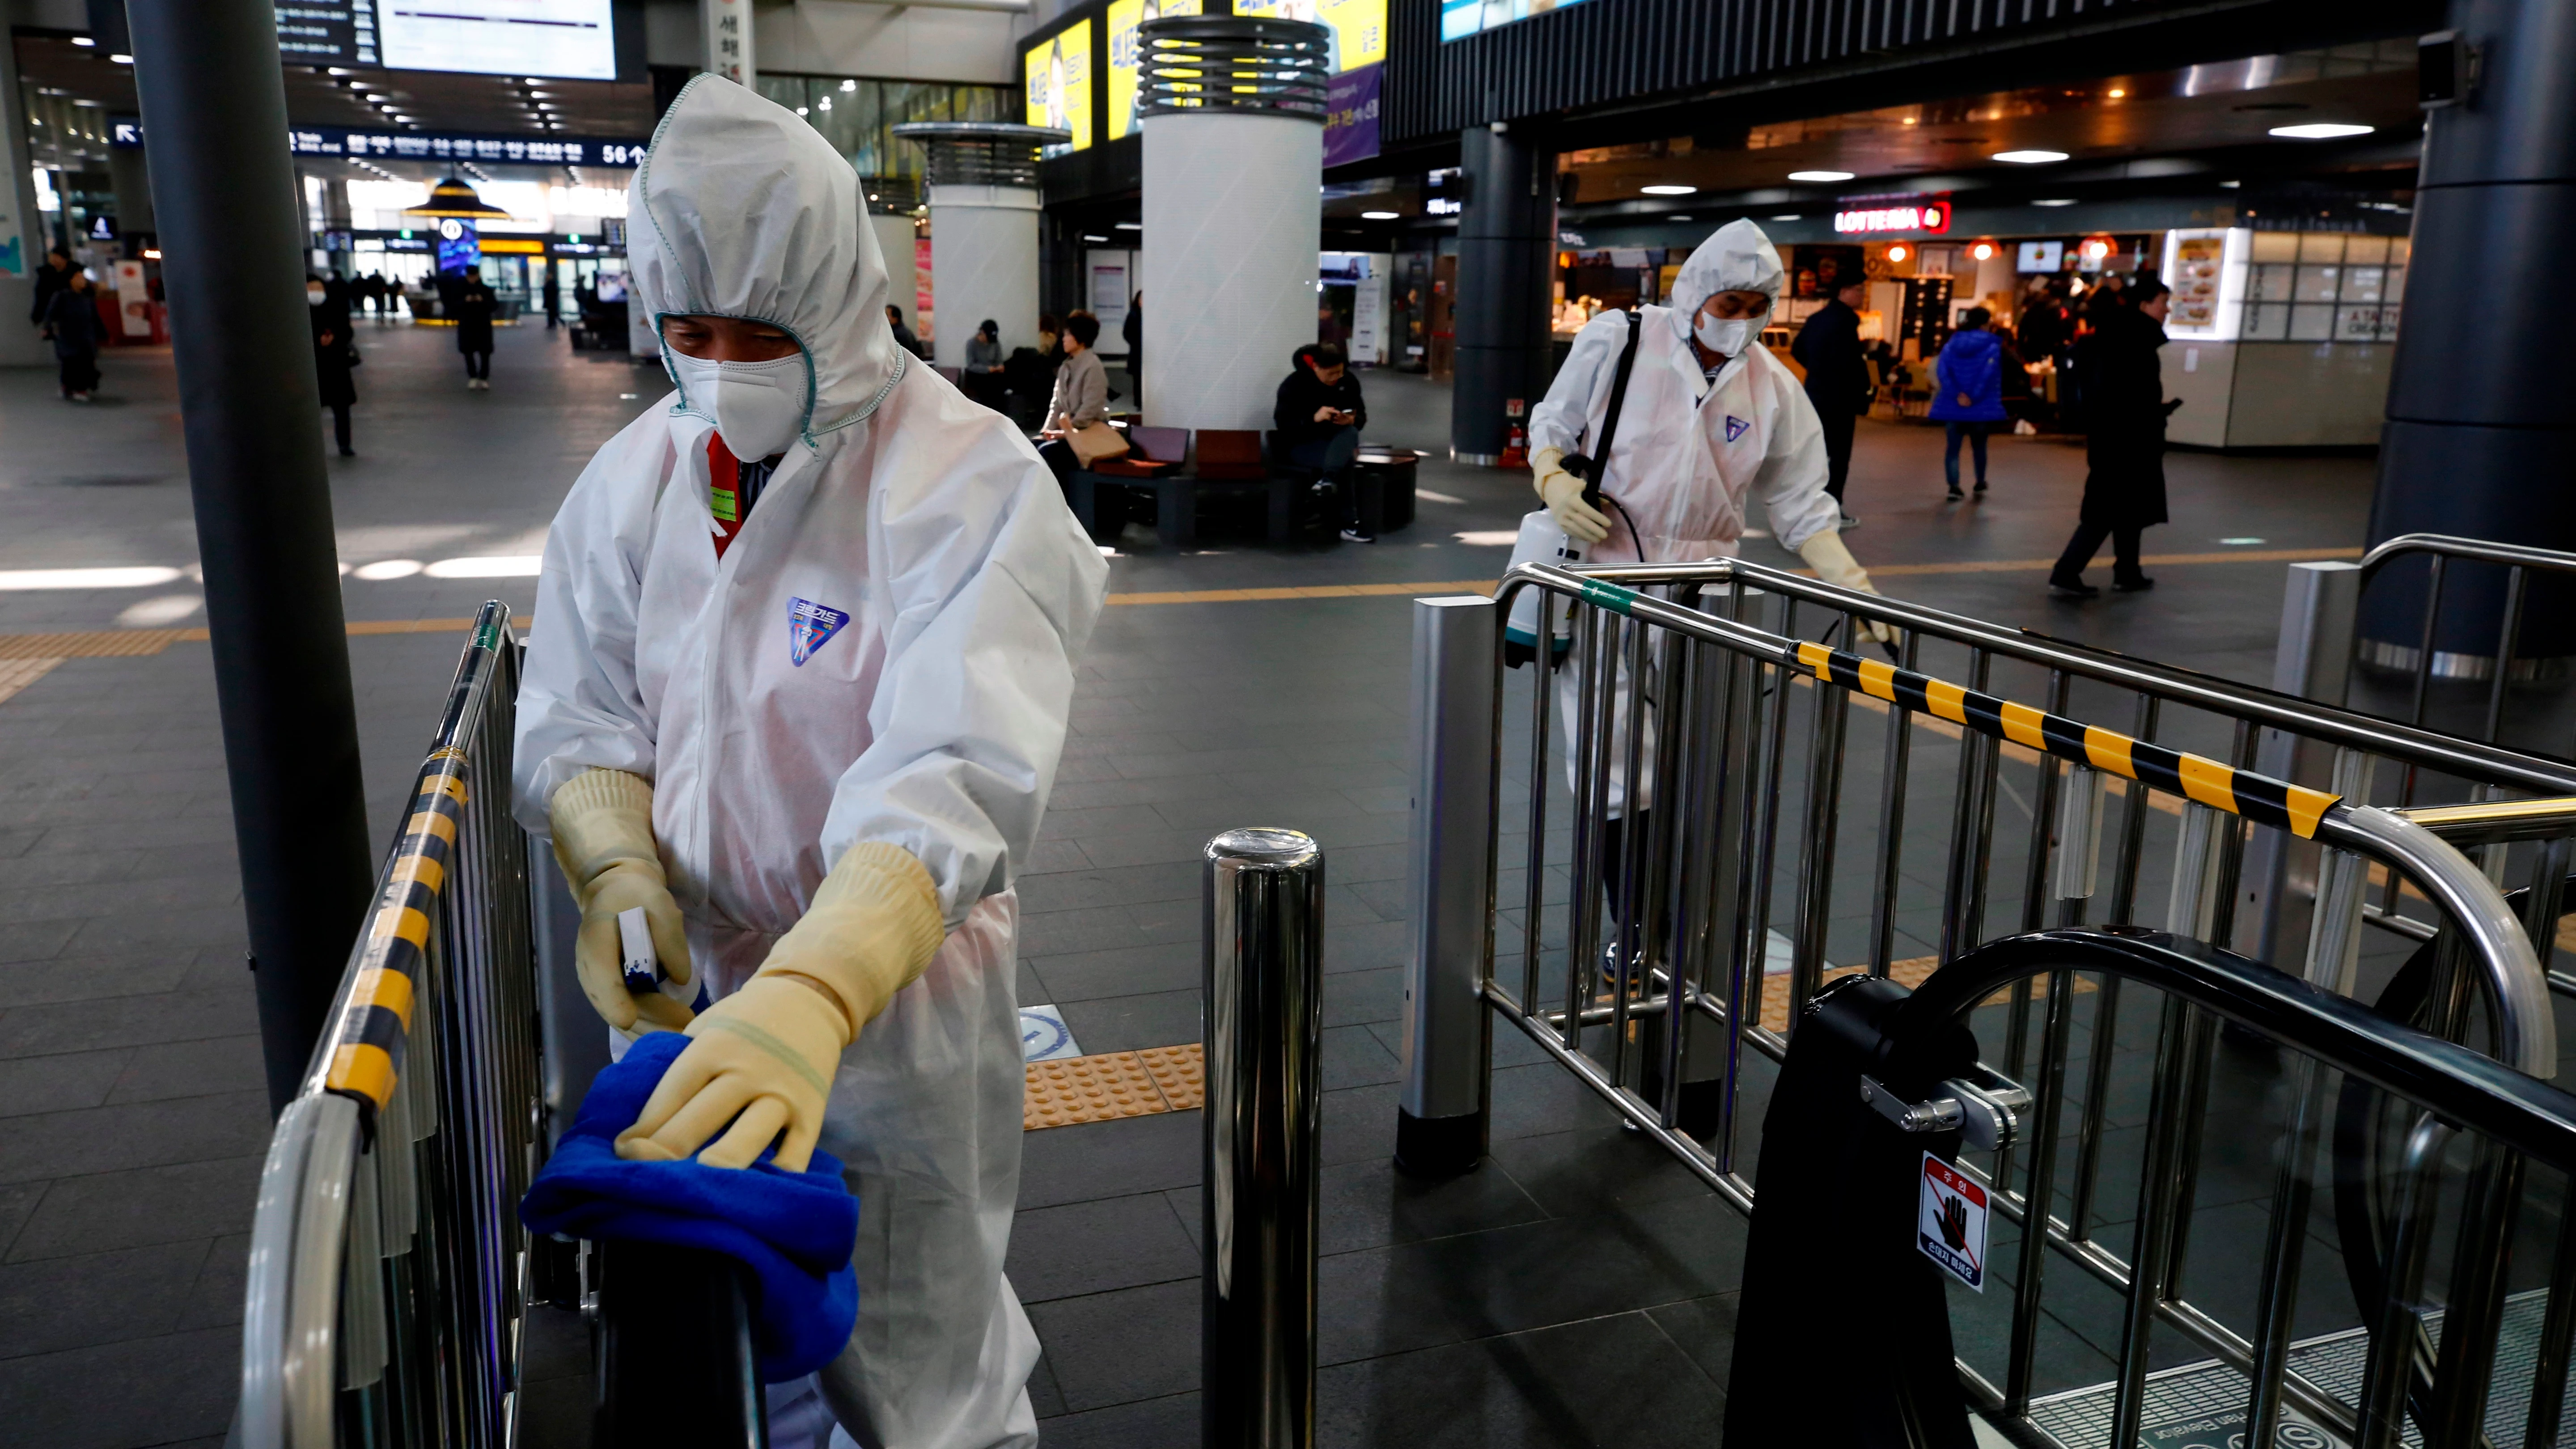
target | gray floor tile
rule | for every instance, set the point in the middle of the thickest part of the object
(1118, 1347)
(1171, 1422)
(192, 1069)
(142, 1391)
(56, 1304)
(1614, 1380)
(146, 1134)
(1125, 1023)
(59, 1083)
(1097, 1246)
(142, 1206)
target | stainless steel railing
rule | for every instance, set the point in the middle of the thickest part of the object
(388, 1270)
(1643, 931)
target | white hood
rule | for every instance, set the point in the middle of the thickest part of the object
(742, 210)
(1737, 257)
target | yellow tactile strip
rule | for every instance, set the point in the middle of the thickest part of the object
(17, 674)
(1112, 1085)
(129, 643)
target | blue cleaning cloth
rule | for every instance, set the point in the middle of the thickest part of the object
(793, 1230)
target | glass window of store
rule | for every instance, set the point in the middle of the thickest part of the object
(857, 115)
(2322, 287)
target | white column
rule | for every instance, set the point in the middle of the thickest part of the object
(22, 228)
(727, 25)
(983, 263)
(894, 239)
(1233, 218)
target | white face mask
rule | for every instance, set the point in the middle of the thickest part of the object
(314, 295)
(759, 407)
(1726, 339)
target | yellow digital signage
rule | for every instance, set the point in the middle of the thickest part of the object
(1359, 26)
(1058, 77)
(1127, 52)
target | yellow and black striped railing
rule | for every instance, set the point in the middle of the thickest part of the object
(366, 1047)
(2258, 798)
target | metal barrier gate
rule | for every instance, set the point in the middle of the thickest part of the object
(1595, 928)
(389, 1274)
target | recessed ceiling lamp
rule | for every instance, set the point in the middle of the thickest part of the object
(121, 59)
(2116, 93)
(1982, 251)
(2056, 201)
(2030, 158)
(2322, 130)
(1668, 190)
(1677, 218)
(83, 41)
(1381, 216)
(1791, 216)
(1820, 176)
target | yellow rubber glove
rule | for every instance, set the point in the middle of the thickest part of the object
(763, 1058)
(1562, 492)
(1834, 564)
(603, 824)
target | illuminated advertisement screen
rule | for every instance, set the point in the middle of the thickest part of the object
(1462, 18)
(569, 38)
(459, 249)
(1359, 26)
(1127, 53)
(1057, 73)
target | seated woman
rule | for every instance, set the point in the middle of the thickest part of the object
(1081, 398)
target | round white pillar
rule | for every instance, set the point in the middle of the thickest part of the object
(895, 236)
(984, 208)
(1233, 214)
(983, 263)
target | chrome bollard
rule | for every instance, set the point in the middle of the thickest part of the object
(1448, 1043)
(1264, 933)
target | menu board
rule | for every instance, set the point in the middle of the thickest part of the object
(2206, 269)
(1057, 74)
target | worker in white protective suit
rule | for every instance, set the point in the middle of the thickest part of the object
(804, 647)
(1711, 419)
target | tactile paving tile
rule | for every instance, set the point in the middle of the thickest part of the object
(1089, 1089)
(17, 674)
(1181, 1072)
(89, 644)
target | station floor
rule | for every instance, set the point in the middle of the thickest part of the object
(1577, 1290)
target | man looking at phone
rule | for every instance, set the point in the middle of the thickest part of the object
(1319, 416)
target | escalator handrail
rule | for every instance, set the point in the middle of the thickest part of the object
(2457, 1084)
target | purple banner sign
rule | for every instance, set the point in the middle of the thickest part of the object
(1350, 126)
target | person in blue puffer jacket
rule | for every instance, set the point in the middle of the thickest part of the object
(1968, 393)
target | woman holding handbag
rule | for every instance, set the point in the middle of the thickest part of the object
(1077, 429)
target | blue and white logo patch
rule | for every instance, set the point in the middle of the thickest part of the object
(810, 626)
(1735, 428)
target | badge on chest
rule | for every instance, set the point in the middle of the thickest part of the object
(1736, 427)
(810, 626)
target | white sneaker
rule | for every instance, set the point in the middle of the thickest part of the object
(1848, 523)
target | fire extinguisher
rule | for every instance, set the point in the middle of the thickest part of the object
(1516, 448)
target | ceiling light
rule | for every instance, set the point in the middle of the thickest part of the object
(1982, 251)
(1677, 218)
(2030, 158)
(2056, 201)
(2096, 248)
(849, 85)
(335, 70)
(2322, 130)
(2116, 94)
(1820, 176)
(83, 41)
(1381, 216)
(121, 59)
(2229, 185)
(1088, 237)
(800, 110)
(1898, 252)
(1793, 216)
(1910, 121)
(1668, 190)
(1131, 226)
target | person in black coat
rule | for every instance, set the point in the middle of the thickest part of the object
(71, 320)
(51, 279)
(2124, 412)
(1133, 331)
(553, 295)
(1828, 347)
(1319, 414)
(473, 309)
(335, 352)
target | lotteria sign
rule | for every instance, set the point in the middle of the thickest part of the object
(1884, 215)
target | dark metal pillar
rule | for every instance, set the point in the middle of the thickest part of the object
(232, 259)
(1506, 239)
(2479, 439)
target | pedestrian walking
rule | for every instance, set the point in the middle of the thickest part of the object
(1968, 394)
(335, 354)
(473, 311)
(71, 320)
(1133, 331)
(554, 297)
(51, 279)
(2125, 411)
(1837, 381)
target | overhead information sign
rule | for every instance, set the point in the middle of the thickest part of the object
(572, 39)
(326, 32)
(1058, 77)
(426, 146)
(1462, 18)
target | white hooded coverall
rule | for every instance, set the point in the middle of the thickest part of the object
(885, 652)
(1689, 451)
